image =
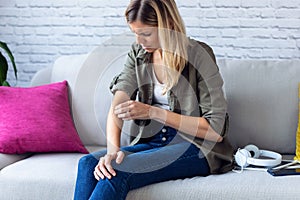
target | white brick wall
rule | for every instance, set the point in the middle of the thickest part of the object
(39, 31)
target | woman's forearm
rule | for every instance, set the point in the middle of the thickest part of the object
(114, 124)
(113, 132)
(195, 126)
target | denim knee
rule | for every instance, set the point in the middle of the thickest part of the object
(87, 161)
(85, 181)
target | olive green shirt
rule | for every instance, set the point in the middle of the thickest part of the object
(198, 93)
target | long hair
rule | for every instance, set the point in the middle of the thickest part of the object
(164, 15)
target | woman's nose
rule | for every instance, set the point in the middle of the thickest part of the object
(140, 39)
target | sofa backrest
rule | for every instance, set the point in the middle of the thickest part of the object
(262, 97)
(262, 102)
(89, 77)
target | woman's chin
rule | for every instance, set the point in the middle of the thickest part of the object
(149, 50)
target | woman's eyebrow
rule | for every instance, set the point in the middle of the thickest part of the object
(143, 30)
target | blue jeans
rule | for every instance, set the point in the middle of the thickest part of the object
(165, 156)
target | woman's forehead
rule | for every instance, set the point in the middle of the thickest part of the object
(140, 27)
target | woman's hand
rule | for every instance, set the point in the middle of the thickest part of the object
(104, 169)
(133, 110)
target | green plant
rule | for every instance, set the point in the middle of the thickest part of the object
(4, 64)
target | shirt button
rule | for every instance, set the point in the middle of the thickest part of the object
(164, 139)
(163, 130)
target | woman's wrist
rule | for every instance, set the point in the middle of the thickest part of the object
(112, 149)
(157, 114)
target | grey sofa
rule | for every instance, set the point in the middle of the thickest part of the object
(263, 108)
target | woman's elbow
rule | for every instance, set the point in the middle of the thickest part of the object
(208, 133)
(220, 139)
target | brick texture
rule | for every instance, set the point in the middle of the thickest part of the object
(38, 31)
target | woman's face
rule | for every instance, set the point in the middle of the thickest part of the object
(146, 36)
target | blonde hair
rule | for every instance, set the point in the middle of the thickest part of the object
(164, 15)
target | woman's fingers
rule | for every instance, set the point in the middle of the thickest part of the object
(97, 172)
(120, 157)
(104, 168)
(101, 170)
(132, 110)
(124, 106)
(98, 175)
(109, 169)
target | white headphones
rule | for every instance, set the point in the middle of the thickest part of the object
(250, 156)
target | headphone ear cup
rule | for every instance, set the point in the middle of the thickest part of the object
(253, 150)
(241, 157)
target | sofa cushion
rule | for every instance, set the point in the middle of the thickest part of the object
(7, 159)
(235, 186)
(52, 176)
(41, 176)
(37, 119)
(262, 102)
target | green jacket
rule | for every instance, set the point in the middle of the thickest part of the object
(198, 93)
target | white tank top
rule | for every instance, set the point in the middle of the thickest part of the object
(159, 99)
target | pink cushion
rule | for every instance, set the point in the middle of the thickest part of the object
(37, 119)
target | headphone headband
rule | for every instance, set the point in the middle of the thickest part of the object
(250, 156)
(266, 162)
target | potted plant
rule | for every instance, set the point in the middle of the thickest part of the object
(4, 64)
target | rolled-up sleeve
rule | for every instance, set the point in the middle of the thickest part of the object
(212, 101)
(126, 80)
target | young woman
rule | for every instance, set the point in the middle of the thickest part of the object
(172, 89)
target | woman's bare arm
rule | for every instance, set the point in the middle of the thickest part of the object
(195, 126)
(113, 135)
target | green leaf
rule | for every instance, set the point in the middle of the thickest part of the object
(4, 46)
(5, 83)
(3, 68)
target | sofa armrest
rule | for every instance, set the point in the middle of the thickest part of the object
(7, 159)
(42, 77)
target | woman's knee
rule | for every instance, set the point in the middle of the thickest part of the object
(87, 160)
(95, 155)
